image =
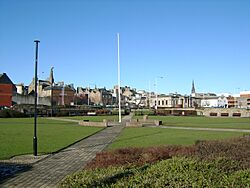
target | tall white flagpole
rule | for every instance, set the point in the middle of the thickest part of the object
(119, 79)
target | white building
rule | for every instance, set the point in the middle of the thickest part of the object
(214, 102)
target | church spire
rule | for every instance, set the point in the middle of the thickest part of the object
(51, 76)
(193, 88)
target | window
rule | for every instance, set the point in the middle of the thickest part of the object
(162, 103)
(213, 114)
(159, 102)
(224, 114)
(236, 114)
(166, 102)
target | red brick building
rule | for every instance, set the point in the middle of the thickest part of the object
(7, 89)
(246, 95)
(62, 95)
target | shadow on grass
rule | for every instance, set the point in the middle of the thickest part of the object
(141, 136)
(8, 171)
(117, 177)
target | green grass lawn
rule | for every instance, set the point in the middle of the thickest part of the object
(16, 135)
(186, 121)
(144, 137)
(94, 118)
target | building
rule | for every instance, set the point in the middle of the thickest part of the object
(142, 99)
(22, 89)
(100, 96)
(61, 94)
(214, 101)
(232, 101)
(173, 100)
(116, 95)
(245, 95)
(7, 90)
(96, 96)
(81, 96)
(207, 99)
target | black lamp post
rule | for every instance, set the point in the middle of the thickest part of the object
(35, 113)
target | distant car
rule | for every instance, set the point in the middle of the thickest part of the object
(91, 113)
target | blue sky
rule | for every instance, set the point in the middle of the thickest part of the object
(182, 40)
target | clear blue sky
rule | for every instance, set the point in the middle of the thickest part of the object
(183, 40)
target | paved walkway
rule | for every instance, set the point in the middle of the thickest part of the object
(64, 119)
(51, 170)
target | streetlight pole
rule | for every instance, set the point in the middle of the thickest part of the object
(35, 113)
(156, 94)
(156, 89)
(149, 94)
(88, 95)
(119, 79)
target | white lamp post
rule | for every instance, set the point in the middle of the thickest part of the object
(156, 89)
(119, 79)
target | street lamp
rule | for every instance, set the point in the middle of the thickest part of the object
(156, 92)
(119, 76)
(35, 113)
(149, 94)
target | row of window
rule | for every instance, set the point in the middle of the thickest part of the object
(162, 103)
(225, 114)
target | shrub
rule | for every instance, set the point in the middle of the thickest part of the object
(237, 149)
(144, 112)
(7, 113)
(59, 113)
(103, 112)
(206, 164)
(137, 156)
(175, 172)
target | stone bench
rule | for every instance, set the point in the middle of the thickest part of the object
(94, 124)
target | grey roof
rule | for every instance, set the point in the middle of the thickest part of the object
(59, 88)
(4, 79)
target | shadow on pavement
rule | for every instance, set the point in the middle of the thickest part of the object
(8, 171)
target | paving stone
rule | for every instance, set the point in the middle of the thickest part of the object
(51, 170)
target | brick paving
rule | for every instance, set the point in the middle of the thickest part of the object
(51, 170)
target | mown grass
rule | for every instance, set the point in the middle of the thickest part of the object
(94, 118)
(187, 121)
(16, 135)
(145, 137)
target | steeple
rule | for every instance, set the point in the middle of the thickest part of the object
(193, 88)
(51, 76)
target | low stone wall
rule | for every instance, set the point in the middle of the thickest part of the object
(226, 112)
(28, 99)
(143, 122)
(94, 124)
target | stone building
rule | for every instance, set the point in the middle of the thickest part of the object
(170, 101)
(61, 94)
(116, 96)
(142, 99)
(100, 96)
(81, 96)
(22, 89)
(96, 96)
